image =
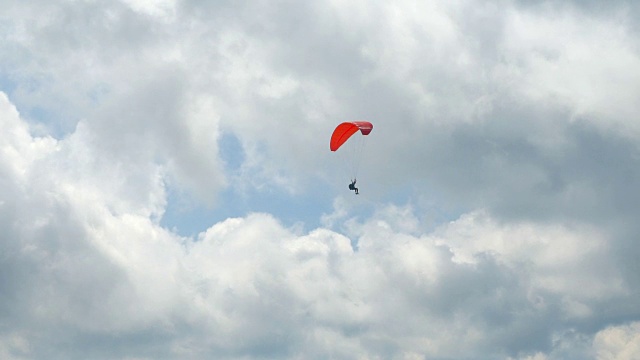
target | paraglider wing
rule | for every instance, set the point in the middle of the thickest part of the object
(344, 131)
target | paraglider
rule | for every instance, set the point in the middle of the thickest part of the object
(353, 187)
(344, 131)
(341, 135)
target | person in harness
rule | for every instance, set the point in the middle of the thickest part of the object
(352, 186)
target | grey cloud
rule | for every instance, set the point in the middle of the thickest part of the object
(589, 177)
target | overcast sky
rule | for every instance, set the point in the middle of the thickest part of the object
(167, 189)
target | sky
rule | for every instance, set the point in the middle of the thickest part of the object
(167, 189)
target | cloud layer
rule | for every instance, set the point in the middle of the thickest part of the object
(498, 214)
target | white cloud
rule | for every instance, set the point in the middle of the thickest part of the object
(160, 8)
(590, 66)
(618, 342)
(247, 286)
(484, 110)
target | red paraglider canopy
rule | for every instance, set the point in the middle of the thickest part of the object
(344, 131)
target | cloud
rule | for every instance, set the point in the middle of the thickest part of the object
(499, 184)
(84, 266)
(618, 342)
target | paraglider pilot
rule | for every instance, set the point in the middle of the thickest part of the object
(352, 186)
